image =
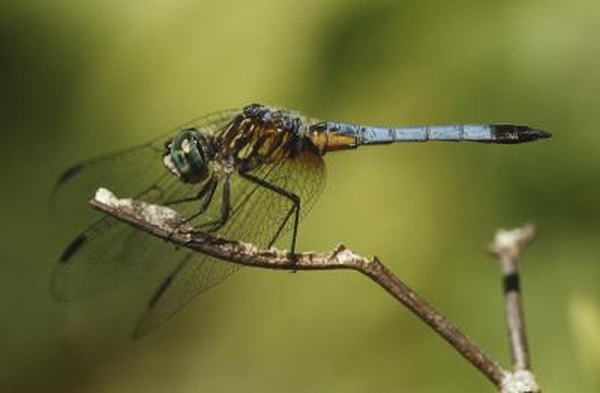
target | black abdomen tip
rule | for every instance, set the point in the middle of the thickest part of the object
(510, 133)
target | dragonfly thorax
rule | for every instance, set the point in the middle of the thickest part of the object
(187, 155)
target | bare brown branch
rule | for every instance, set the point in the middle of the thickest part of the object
(166, 224)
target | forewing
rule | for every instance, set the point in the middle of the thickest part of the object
(256, 217)
(128, 173)
(109, 253)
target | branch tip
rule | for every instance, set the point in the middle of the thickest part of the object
(511, 243)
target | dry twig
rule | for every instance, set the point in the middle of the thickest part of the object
(166, 224)
(507, 248)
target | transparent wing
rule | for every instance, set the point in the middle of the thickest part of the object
(258, 214)
(128, 173)
(109, 253)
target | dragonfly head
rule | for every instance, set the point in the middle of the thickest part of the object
(186, 156)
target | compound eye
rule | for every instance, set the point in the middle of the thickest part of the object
(185, 157)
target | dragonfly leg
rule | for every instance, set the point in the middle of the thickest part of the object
(215, 225)
(205, 196)
(295, 208)
(208, 188)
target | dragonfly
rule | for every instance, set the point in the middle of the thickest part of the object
(249, 174)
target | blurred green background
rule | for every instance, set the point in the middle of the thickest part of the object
(82, 78)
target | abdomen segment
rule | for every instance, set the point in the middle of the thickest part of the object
(330, 136)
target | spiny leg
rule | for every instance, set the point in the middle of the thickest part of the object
(295, 199)
(205, 195)
(211, 183)
(215, 225)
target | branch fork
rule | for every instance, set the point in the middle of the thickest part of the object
(168, 225)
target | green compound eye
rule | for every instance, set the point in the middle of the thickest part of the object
(185, 158)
